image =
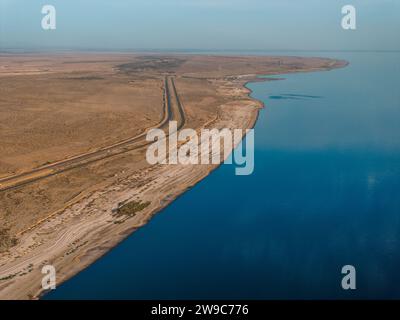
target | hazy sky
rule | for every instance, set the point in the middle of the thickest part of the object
(201, 24)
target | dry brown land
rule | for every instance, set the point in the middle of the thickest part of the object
(54, 107)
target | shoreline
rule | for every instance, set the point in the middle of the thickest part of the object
(255, 116)
(164, 183)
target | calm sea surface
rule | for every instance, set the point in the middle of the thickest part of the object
(325, 193)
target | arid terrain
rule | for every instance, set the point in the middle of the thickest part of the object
(74, 180)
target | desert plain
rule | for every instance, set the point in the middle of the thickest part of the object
(74, 180)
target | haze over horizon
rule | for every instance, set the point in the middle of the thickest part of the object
(200, 25)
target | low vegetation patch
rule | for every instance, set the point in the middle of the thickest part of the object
(129, 209)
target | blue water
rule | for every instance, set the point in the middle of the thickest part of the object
(325, 193)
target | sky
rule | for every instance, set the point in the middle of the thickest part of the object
(241, 25)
